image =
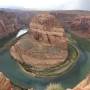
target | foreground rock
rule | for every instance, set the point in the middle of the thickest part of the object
(45, 46)
(83, 85)
(5, 83)
(67, 18)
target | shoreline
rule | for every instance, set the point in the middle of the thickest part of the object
(79, 35)
(51, 76)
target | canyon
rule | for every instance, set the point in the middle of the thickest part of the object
(12, 20)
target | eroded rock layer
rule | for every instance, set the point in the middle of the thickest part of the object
(45, 45)
(8, 24)
(81, 26)
(5, 83)
(83, 85)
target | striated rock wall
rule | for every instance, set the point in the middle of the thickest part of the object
(47, 29)
(8, 24)
(81, 23)
(5, 83)
(81, 26)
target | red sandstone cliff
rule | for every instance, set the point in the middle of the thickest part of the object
(8, 24)
(5, 83)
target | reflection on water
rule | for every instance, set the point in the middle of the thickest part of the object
(9, 67)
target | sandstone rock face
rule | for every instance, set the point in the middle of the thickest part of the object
(5, 83)
(46, 28)
(45, 45)
(83, 85)
(81, 26)
(8, 24)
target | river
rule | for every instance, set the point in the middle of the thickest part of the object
(12, 70)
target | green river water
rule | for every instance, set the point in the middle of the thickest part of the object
(11, 69)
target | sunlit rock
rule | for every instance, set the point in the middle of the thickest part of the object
(8, 24)
(45, 45)
(83, 85)
(5, 83)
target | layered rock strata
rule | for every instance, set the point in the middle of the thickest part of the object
(81, 26)
(83, 85)
(46, 44)
(5, 83)
(8, 24)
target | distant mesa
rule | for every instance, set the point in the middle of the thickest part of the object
(81, 26)
(13, 20)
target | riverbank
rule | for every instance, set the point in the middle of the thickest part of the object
(83, 43)
(22, 79)
(58, 70)
(11, 40)
(80, 34)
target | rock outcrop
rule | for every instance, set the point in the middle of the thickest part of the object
(67, 18)
(8, 24)
(46, 28)
(5, 83)
(46, 44)
(81, 26)
(83, 85)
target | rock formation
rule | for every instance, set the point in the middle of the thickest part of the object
(45, 28)
(46, 44)
(22, 18)
(8, 24)
(83, 85)
(5, 83)
(81, 26)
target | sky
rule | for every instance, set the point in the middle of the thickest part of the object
(46, 4)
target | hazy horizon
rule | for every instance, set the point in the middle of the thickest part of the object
(46, 4)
